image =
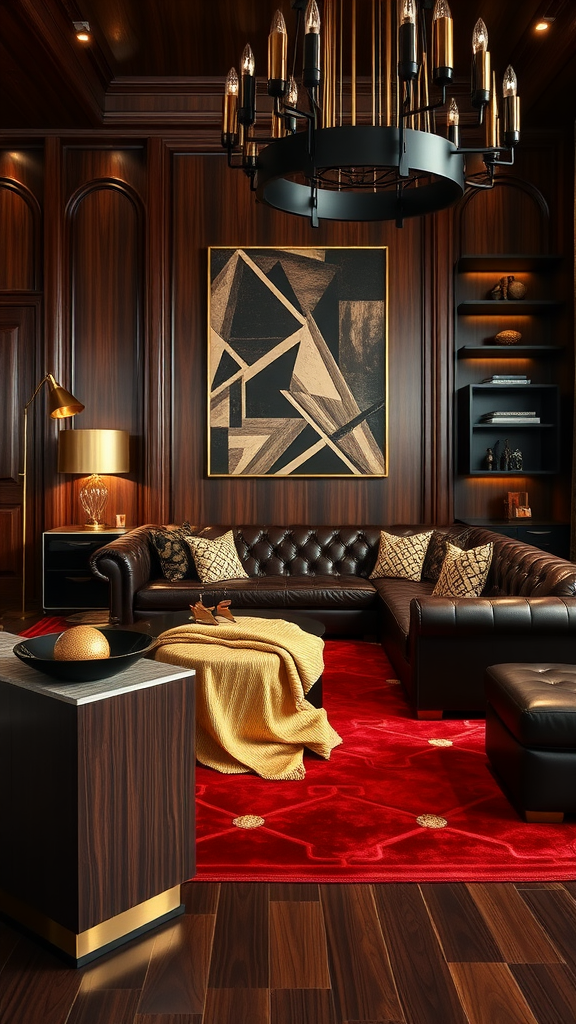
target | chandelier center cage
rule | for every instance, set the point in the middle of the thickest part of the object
(354, 134)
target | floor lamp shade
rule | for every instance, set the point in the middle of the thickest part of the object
(94, 452)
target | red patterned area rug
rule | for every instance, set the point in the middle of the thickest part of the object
(49, 624)
(399, 800)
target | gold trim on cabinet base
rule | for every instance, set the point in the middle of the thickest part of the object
(84, 946)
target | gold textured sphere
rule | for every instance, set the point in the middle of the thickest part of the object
(81, 643)
(508, 338)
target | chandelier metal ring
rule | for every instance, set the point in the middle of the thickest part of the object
(432, 158)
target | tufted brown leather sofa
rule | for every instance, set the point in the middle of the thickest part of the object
(439, 646)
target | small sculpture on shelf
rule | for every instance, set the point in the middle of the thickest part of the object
(505, 457)
(516, 289)
(516, 461)
(489, 459)
(508, 337)
(516, 505)
(508, 288)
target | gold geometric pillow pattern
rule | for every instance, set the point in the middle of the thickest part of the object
(216, 560)
(173, 551)
(464, 573)
(402, 557)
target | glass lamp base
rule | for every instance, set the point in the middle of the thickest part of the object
(93, 498)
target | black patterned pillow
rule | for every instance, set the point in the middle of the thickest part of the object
(464, 573)
(216, 560)
(173, 551)
(402, 557)
(436, 552)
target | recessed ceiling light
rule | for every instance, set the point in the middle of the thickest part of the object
(82, 30)
(544, 24)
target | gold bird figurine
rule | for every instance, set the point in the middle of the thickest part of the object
(203, 615)
(223, 609)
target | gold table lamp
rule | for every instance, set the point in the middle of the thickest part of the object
(94, 452)
(61, 404)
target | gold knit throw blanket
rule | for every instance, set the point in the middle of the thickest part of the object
(251, 680)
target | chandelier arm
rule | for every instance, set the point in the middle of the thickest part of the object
(429, 106)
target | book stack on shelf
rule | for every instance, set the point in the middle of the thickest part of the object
(507, 378)
(509, 417)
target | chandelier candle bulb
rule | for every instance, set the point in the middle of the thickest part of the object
(277, 56)
(407, 52)
(230, 110)
(442, 44)
(311, 70)
(454, 123)
(511, 104)
(480, 66)
(247, 110)
(291, 101)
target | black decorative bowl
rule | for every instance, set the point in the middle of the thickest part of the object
(126, 647)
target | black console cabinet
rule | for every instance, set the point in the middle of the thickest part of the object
(68, 583)
(552, 537)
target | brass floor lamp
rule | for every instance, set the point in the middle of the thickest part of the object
(60, 405)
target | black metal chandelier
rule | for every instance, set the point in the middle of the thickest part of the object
(364, 146)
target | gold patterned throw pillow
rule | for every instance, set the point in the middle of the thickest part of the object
(464, 573)
(173, 552)
(216, 560)
(402, 557)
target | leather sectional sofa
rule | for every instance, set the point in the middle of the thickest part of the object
(439, 646)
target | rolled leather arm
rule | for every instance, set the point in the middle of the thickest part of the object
(125, 563)
(492, 616)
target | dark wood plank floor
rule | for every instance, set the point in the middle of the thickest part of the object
(253, 953)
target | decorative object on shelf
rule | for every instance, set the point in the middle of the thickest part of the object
(496, 450)
(350, 163)
(508, 288)
(489, 460)
(505, 457)
(506, 379)
(94, 452)
(121, 520)
(516, 289)
(61, 404)
(508, 337)
(516, 461)
(516, 505)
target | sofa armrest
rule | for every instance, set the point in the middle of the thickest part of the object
(126, 564)
(453, 640)
(491, 616)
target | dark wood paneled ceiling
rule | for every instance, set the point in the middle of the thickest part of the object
(49, 81)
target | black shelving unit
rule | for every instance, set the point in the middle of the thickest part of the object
(478, 320)
(538, 442)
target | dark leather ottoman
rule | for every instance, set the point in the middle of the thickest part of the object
(531, 736)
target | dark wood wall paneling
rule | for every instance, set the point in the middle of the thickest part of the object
(117, 236)
(105, 242)
(213, 206)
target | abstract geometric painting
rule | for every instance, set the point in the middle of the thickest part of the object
(297, 362)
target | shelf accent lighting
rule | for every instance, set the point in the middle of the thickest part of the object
(353, 136)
